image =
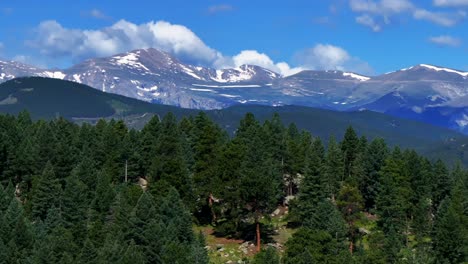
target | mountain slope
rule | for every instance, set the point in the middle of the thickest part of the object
(48, 97)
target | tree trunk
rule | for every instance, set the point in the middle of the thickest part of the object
(351, 247)
(258, 236)
(213, 214)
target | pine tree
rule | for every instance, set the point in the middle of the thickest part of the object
(207, 142)
(312, 246)
(75, 202)
(199, 253)
(169, 163)
(312, 189)
(45, 193)
(133, 255)
(350, 203)
(334, 167)
(393, 195)
(377, 153)
(260, 179)
(88, 253)
(450, 228)
(442, 183)
(267, 256)
(350, 149)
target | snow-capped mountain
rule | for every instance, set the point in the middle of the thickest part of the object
(12, 69)
(418, 92)
(156, 76)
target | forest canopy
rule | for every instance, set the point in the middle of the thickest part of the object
(109, 194)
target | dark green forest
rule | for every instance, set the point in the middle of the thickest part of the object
(105, 193)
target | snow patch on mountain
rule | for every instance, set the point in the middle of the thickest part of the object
(435, 68)
(229, 86)
(150, 89)
(356, 76)
(130, 59)
(55, 74)
(190, 72)
(77, 78)
(201, 90)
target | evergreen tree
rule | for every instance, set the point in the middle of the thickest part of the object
(375, 157)
(207, 142)
(310, 246)
(133, 255)
(312, 189)
(442, 184)
(392, 199)
(334, 167)
(169, 163)
(350, 149)
(267, 256)
(88, 253)
(350, 203)
(45, 193)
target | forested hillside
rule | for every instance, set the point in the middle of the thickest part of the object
(109, 194)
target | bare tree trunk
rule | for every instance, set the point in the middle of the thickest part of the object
(213, 214)
(258, 237)
(351, 247)
(257, 223)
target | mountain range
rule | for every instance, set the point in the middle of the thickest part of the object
(427, 93)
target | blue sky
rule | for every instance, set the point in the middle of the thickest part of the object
(364, 36)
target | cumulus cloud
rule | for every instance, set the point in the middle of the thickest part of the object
(330, 57)
(446, 40)
(451, 3)
(443, 19)
(57, 42)
(220, 8)
(95, 13)
(261, 59)
(52, 39)
(368, 21)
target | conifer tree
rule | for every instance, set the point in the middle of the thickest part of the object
(312, 189)
(334, 168)
(267, 256)
(168, 163)
(46, 193)
(350, 149)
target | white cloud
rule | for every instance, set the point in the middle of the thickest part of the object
(383, 7)
(330, 57)
(384, 10)
(443, 19)
(368, 21)
(446, 41)
(55, 41)
(261, 59)
(451, 3)
(220, 8)
(375, 14)
(52, 39)
(327, 56)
